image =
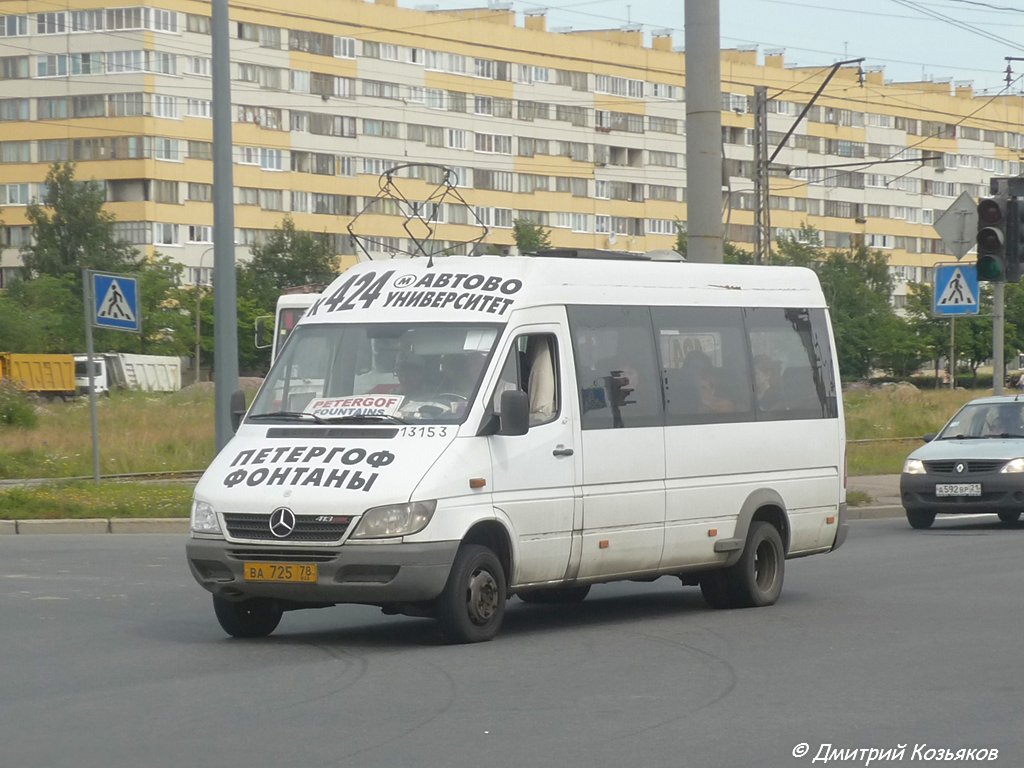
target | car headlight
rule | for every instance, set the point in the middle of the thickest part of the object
(913, 467)
(394, 520)
(1014, 465)
(204, 518)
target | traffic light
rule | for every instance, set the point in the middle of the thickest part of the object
(992, 219)
(1014, 239)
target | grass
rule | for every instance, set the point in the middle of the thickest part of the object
(138, 432)
(894, 418)
(150, 432)
(80, 500)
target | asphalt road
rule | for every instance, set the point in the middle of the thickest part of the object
(112, 658)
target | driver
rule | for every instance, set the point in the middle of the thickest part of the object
(1004, 423)
(412, 376)
(419, 386)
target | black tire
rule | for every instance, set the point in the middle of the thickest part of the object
(755, 579)
(920, 519)
(550, 596)
(472, 605)
(1009, 516)
(256, 617)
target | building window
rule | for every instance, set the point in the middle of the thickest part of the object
(165, 234)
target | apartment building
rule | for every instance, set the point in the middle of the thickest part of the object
(582, 132)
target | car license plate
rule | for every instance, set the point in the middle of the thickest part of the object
(958, 489)
(290, 573)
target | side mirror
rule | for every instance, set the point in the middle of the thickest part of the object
(929, 437)
(515, 413)
(237, 405)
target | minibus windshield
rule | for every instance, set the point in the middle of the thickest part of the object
(377, 373)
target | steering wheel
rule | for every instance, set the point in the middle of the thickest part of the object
(451, 396)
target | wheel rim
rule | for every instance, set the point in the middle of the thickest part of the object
(482, 597)
(766, 565)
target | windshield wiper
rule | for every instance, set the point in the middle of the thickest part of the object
(1004, 435)
(288, 416)
(363, 418)
(964, 437)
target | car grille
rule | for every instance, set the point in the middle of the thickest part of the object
(973, 466)
(256, 527)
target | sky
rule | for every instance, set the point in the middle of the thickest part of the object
(959, 40)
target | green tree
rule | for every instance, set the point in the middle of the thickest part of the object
(530, 237)
(932, 333)
(289, 257)
(857, 286)
(70, 229)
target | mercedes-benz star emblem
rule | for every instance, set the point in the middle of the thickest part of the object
(960, 469)
(282, 522)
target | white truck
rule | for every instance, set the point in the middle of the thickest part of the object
(147, 373)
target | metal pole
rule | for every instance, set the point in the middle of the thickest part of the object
(998, 363)
(703, 132)
(199, 279)
(952, 352)
(90, 308)
(225, 310)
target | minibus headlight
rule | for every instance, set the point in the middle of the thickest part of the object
(1013, 466)
(394, 520)
(913, 467)
(204, 518)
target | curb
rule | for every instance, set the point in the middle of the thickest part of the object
(96, 525)
(874, 512)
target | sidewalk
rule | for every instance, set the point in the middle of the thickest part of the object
(884, 491)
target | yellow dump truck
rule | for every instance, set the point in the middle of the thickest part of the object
(50, 375)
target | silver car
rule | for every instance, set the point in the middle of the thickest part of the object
(974, 465)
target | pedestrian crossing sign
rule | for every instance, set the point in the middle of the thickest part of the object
(116, 302)
(956, 290)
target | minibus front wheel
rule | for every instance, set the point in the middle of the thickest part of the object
(255, 617)
(472, 605)
(755, 579)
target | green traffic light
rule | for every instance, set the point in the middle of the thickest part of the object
(991, 269)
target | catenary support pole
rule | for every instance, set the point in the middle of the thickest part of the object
(225, 305)
(703, 132)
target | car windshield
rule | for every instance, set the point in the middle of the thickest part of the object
(986, 420)
(370, 373)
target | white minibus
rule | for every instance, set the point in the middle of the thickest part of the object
(440, 435)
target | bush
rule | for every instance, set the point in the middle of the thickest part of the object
(16, 408)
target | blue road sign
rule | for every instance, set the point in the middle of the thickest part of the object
(116, 302)
(956, 290)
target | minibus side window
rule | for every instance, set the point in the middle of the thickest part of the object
(704, 364)
(792, 363)
(532, 366)
(616, 367)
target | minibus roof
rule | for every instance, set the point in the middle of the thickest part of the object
(489, 288)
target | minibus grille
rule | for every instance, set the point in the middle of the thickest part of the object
(256, 527)
(273, 555)
(948, 467)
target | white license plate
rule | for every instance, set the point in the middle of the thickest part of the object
(958, 489)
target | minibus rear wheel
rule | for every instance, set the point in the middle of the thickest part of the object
(753, 580)
(255, 617)
(472, 605)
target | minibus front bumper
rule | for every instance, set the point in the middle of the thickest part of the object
(373, 574)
